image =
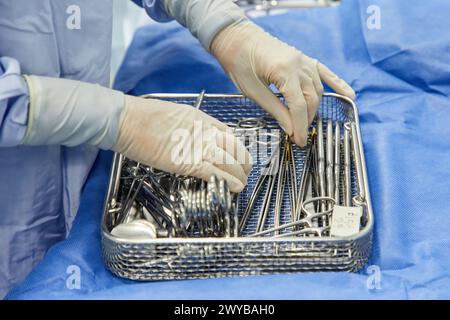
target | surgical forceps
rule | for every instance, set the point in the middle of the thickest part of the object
(282, 172)
(248, 130)
(359, 199)
(308, 222)
(254, 125)
(347, 167)
(292, 175)
(306, 175)
(125, 212)
(337, 162)
(330, 160)
(287, 171)
(322, 190)
(268, 172)
(268, 5)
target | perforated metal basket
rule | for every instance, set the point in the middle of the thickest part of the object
(184, 258)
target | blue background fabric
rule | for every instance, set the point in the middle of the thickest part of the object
(400, 74)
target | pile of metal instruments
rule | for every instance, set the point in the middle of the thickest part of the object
(173, 206)
(158, 225)
(270, 5)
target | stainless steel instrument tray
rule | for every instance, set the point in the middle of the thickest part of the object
(187, 258)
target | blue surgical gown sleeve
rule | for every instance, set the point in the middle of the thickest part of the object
(155, 9)
(14, 101)
(203, 18)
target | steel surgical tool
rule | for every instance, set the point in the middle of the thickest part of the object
(205, 209)
(322, 189)
(307, 223)
(337, 162)
(347, 167)
(285, 165)
(282, 172)
(250, 129)
(268, 173)
(126, 211)
(330, 159)
(176, 206)
(360, 198)
(292, 175)
(268, 6)
(306, 175)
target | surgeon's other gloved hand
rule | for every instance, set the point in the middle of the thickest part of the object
(181, 139)
(254, 60)
(167, 136)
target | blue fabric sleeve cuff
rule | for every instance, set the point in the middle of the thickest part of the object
(214, 24)
(14, 102)
(156, 10)
(205, 18)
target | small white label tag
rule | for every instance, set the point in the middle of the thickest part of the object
(345, 221)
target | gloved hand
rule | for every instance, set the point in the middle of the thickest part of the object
(167, 136)
(254, 60)
(181, 139)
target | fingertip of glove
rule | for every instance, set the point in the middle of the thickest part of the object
(287, 128)
(347, 90)
(351, 94)
(249, 165)
(300, 140)
(235, 184)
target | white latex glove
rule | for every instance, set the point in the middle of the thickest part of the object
(156, 132)
(70, 113)
(254, 60)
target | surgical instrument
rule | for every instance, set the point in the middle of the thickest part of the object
(307, 221)
(360, 198)
(206, 208)
(193, 207)
(337, 162)
(321, 165)
(347, 167)
(236, 215)
(292, 175)
(268, 172)
(330, 159)
(269, 5)
(329, 165)
(225, 206)
(199, 101)
(116, 176)
(131, 196)
(286, 172)
(302, 188)
(282, 172)
(137, 229)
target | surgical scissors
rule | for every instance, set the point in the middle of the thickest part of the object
(268, 172)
